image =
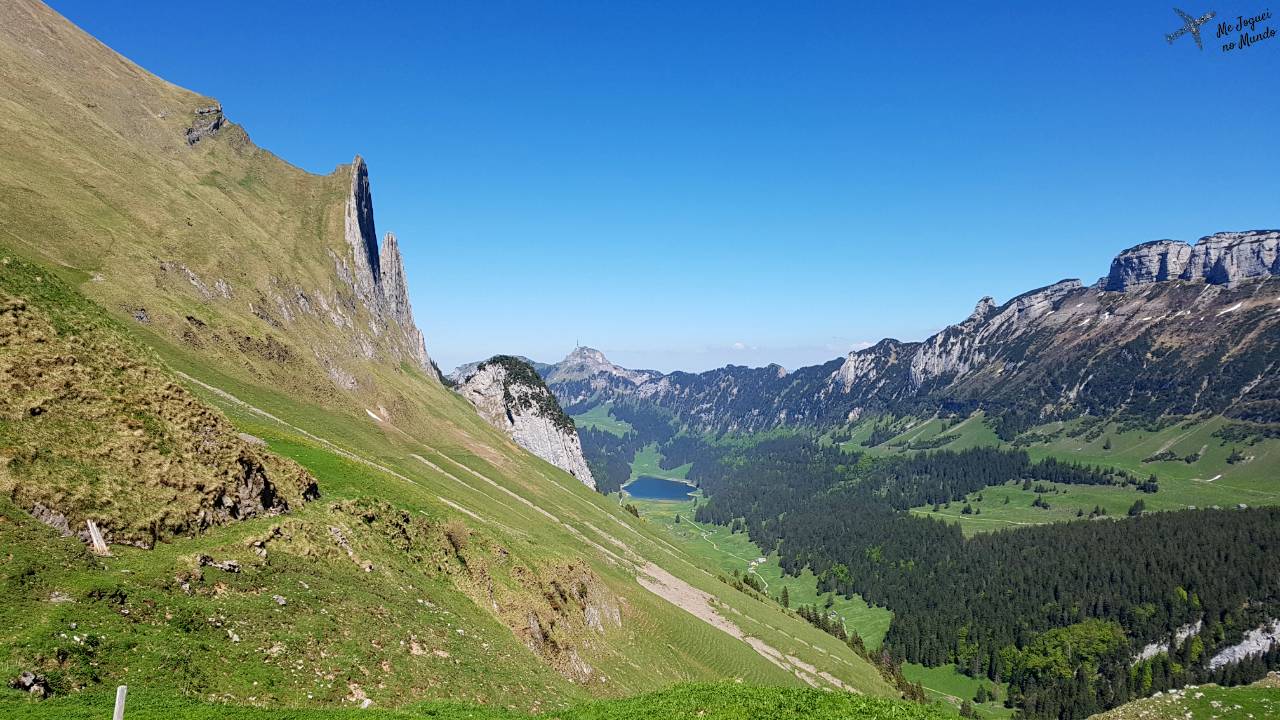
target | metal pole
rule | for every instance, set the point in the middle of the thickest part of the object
(120, 693)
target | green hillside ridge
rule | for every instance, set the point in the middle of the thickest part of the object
(725, 701)
(440, 560)
(1209, 480)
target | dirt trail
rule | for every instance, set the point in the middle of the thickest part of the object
(701, 605)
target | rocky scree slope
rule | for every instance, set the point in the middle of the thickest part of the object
(510, 395)
(1173, 330)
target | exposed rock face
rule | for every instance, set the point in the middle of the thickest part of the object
(207, 121)
(1256, 642)
(510, 396)
(1222, 259)
(363, 239)
(376, 275)
(395, 291)
(959, 348)
(1155, 261)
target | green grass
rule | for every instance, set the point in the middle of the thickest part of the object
(724, 701)
(1206, 482)
(325, 641)
(599, 418)
(459, 537)
(646, 463)
(949, 685)
(1257, 701)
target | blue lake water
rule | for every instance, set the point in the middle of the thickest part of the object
(647, 487)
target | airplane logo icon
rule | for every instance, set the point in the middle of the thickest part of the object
(1189, 25)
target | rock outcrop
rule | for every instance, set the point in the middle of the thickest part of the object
(511, 396)
(376, 275)
(1221, 259)
(1255, 642)
(206, 122)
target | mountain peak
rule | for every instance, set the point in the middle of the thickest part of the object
(582, 353)
(587, 362)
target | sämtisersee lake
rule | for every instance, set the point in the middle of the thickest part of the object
(647, 487)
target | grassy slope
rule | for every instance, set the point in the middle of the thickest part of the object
(646, 462)
(598, 417)
(96, 182)
(1259, 700)
(949, 685)
(1206, 482)
(704, 702)
(504, 494)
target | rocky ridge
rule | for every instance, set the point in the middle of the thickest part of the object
(1226, 258)
(509, 394)
(1169, 315)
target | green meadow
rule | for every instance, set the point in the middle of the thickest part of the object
(1199, 476)
(598, 418)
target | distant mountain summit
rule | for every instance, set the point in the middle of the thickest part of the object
(585, 362)
(586, 373)
(1174, 329)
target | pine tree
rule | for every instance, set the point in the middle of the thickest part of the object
(786, 597)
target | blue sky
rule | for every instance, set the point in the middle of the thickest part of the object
(685, 185)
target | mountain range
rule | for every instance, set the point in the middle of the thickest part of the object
(1172, 330)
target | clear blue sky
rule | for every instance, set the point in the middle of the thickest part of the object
(689, 184)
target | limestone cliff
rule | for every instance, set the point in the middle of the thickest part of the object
(509, 395)
(1226, 258)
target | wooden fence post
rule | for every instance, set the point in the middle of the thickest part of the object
(120, 694)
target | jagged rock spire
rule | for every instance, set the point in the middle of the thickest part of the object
(363, 238)
(395, 290)
(377, 276)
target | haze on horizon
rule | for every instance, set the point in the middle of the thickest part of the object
(685, 187)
